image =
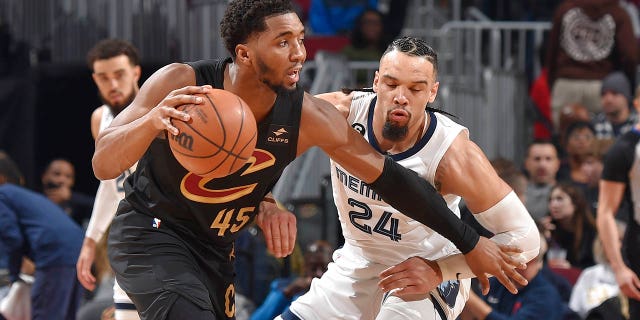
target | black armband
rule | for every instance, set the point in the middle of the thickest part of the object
(416, 198)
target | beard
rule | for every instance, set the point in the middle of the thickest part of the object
(395, 132)
(116, 108)
(266, 70)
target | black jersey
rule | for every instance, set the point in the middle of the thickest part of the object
(622, 164)
(214, 210)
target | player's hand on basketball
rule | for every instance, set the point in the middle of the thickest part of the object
(279, 228)
(83, 266)
(628, 282)
(162, 115)
(413, 278)
(490, 258)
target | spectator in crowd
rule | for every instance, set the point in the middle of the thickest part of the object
(569, 114)
(617, 116)
(368, 42)
(336, 17)
(579, 139)
(597, 283)
(541, 164)
(592, 170)
(285, 290)
(538, 300)
(33, 226)
(588, 40)
(572, 227)
(57, 184)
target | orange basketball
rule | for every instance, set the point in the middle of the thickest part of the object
(218, 139)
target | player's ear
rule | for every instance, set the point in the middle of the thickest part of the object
(434, 92)
(376, 81)
(137, 71)
(242, 54)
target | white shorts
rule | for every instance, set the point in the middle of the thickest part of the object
(349, 290)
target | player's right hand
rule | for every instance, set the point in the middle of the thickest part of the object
(628, 282)
(161, 115)
(490, 258)
(83, 266)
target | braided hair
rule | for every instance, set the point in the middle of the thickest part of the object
(414, 47)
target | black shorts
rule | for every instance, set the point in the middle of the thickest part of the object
(155, 265)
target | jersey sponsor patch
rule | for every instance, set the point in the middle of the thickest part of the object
(278, 135)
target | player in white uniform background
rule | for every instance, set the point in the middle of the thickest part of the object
(378, 237)
(116, 72)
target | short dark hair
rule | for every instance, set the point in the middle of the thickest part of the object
(245, 17)
(414, 47)
(541, 141)
(109, 48)
(9, 169)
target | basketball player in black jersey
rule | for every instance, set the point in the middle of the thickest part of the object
(171, 242)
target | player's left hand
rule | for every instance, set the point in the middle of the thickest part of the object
(490, 258)
(413, 278)
(279, 228)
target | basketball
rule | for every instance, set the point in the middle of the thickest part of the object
(218, 139)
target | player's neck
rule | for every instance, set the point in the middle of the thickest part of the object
(257, 95)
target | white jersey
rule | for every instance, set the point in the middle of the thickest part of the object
(370, 226)
(109, 193)
(378, 236)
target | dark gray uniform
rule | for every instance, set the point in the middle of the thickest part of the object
(173, 234)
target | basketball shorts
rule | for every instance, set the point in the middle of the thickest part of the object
(349, 290)
(154, 265)
(125, 309)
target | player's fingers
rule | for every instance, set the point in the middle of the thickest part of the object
(283, 230)
(512, 262)
(394, 282)
(484, 284)
(401, 267)
(266, 230)
(293, 231)
(510, 248)
(632, 289)
(276, 239)
(506, 282)
(515, 276)
(166, 122)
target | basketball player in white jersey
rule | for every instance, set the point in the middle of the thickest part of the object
(116, 71)
(436, 284)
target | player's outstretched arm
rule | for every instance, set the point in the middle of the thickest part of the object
(124, 142)
(464, 170)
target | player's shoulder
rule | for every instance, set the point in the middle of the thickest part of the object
(177, 73)
(97, 113)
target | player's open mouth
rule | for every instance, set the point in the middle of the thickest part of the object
(294, 74)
